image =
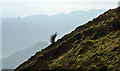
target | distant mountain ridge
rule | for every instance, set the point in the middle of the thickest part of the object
(24, 32)
(93, 46)
(12, 61)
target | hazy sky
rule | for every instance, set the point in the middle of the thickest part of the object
(21, 8)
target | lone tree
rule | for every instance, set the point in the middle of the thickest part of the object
(52, 38)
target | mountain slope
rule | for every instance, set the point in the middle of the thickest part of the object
(93, 46)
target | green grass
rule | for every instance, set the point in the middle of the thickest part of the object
(94, 46)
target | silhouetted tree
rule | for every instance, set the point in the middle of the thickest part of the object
(52, 38)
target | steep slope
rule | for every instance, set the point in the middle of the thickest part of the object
(94, 46)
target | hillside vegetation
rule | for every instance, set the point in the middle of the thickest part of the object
(94, 46)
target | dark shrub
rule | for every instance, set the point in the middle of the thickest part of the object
(52, 38)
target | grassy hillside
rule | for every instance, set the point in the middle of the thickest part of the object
(94, 46)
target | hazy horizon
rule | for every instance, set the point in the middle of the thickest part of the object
(21, 8)
(51, 15)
